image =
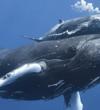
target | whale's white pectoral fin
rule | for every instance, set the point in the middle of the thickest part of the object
(75, 102)
(31, 68)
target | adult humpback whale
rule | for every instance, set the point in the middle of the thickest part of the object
(52, 67)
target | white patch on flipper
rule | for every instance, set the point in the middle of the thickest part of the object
(75, 102)
(43, 65)
(19, 72)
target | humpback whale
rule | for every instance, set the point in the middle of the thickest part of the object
(53, 67)
(74, 27)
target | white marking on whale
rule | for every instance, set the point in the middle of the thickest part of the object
(75, 102)
(19, 72)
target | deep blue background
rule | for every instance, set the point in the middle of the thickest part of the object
(35, 18)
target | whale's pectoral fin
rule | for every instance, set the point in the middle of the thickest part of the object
(34, 69)
(20, 72)
(73, 101)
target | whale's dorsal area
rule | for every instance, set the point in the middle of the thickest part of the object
(71, 28)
